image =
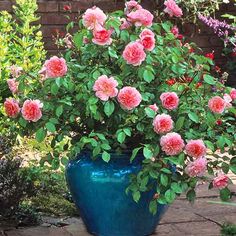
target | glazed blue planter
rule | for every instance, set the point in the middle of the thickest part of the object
(98, 190)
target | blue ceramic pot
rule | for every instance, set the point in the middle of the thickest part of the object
(98, 190)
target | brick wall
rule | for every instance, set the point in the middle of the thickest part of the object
(53, 19)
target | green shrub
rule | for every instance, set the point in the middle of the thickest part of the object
(20, 44)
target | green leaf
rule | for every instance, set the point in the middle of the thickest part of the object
(106, 156)
(209, 79)
(225, 194)
(149, 112)
(40, 135)
(148, 76)
(153, 207)
(179, 123)
(193, 116)
(233, 169)
(112, 52)
(106, 146)
(54, 89)
(134, 153)
(170, 196)
(22, 122)
(176, 187)
(59, 111)
(109, 108)
(78, 39)
(50, 127)
(164, 180)
(221, 142)
(64, 161)
(121, 137)
(136, 196)
(147, 153)
(96, 151)
(191, 195)
(210, 145)
(140, 127)
(166, 26)
(225, 167)
(127, 131)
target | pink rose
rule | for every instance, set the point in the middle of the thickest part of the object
(217, 104)
(221, 181)
(31, 110)
(170, 100)
(105, 87)
(101, 36)
(233, 94)
(146, 32)
(148, 42)
(175, 31)
(55, 67)
(12, 108)
(172, 8)
(197, 167)
(141, 17)
(129, 97)
(134, 54)
(13, 85)
(125, 24)
(93, 17)
(228, 100)
(154, 107)
(131, 6)
(196, 148)
(15, 71)
(172, 144)
(162, 124)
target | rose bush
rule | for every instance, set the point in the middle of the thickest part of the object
(126, 92)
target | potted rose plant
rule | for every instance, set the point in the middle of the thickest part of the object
(137, 112)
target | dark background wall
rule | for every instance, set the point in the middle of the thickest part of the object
(53, 20)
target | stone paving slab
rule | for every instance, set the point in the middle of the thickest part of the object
(182, 218)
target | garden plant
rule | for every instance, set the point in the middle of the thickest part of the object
(129, 84)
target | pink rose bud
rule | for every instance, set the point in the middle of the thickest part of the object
(233, 94)
(228, 100)
(154, 107)
(132, 6)
(146, 32)
(13, 85)
(15, 71)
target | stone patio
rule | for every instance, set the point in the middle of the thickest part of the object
(182, 218)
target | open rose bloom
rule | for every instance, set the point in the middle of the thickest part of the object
(125, 83)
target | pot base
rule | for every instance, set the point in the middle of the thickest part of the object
(98, 190)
